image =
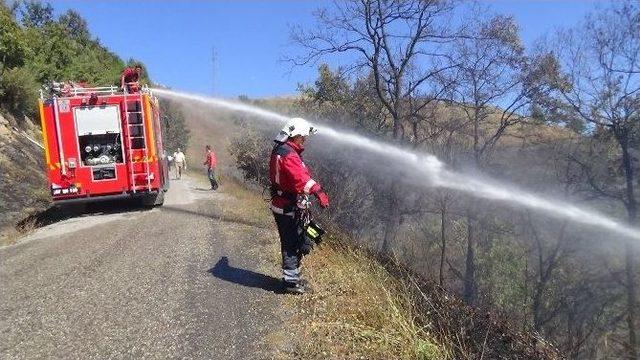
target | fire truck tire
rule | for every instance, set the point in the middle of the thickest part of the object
(154, 199)
(159, 199)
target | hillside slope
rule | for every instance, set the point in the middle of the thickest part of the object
(363, 307)
(23, 188)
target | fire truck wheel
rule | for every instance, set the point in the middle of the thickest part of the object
(154, 199)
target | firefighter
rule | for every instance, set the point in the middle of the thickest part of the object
(211, 162)
(180, 163)
(291, 181)
(130, 77)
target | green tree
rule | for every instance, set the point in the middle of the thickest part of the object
(35, 13)
(17, 86)
(76, 26)
(12, 41)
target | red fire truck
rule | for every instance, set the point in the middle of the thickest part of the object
(103, 143)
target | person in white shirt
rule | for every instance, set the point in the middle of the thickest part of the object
(180, 163)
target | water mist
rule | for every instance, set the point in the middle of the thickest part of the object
(432, 170)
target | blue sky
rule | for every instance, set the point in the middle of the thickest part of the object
(175, 38)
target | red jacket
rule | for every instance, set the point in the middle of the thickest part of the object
(289, 177)
(210, 160)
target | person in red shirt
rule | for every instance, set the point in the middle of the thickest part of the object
(210, 161)
(130, 77)
(291, 181)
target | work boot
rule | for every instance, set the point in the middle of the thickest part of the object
(294, 288)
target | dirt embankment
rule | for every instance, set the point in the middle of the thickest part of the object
(23, 186)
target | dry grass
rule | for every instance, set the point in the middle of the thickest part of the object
(357, 311)
(247, 205)
(13, 234)
(9, 236)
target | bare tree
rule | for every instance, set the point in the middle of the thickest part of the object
(400, 44)
(493, 82)
(548, 258)
(600, 86)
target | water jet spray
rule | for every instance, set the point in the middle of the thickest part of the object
(433, 171)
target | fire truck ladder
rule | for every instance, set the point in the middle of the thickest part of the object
(137, 136)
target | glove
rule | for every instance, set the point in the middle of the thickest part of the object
(323, 199)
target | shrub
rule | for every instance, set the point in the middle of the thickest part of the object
(251, 151)
(19, 91)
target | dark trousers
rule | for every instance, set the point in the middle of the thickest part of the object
(290, 247)
(212, 178)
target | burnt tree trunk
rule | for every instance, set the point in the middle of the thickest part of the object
(393, 221)
(469, 292)
(632, 300)
(631, 265)
(443, 241)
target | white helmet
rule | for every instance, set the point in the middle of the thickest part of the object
(294, 127)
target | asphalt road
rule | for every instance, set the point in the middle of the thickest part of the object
(181, 281)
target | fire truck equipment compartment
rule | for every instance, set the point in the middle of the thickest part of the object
(100, 149)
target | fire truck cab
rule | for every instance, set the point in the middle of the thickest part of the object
(103, 143)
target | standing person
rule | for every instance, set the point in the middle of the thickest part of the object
(170, 164)
(130, 77)
(291, 179)
(180, 163)
(210, 161)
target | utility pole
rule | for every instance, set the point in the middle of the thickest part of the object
(213, 70)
